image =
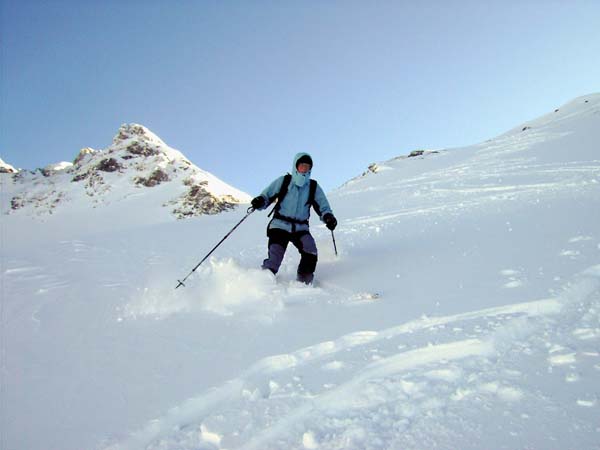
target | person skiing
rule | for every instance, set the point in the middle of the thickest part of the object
(295, 194)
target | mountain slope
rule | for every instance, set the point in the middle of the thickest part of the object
(137, 161)
(484, 331)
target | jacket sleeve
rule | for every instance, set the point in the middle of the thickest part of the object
(322, 201)
(271, 191)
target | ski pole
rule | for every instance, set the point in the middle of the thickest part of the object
(248, 212)
(334, 246)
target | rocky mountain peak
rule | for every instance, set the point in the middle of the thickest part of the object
(134, 131)
(137, 161)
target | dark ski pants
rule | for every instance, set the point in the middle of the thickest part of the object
(303, 241)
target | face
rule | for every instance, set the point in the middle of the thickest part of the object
(303, 167)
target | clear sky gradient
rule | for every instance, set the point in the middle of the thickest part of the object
(241, 86)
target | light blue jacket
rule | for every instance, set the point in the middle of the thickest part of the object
(294, 204)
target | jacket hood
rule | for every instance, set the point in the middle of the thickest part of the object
(300, 178)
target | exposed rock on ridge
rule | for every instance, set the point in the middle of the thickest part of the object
(6, 168)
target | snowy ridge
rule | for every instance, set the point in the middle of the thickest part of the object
(6, 168)
(519, 166)
(567, 116)
(513, 154)
(136, 160)
(463, 311)
(63, 165)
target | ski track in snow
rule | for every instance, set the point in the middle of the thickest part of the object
(277, 404)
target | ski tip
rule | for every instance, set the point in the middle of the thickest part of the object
(366, 296)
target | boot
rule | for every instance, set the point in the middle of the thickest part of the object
(306, 278)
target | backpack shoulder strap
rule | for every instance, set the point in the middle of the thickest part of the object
(281, 194)
(311, 197)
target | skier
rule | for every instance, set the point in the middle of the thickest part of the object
(295, 194)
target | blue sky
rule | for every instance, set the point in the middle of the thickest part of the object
(241, 86)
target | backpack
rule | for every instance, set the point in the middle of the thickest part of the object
(283, 192)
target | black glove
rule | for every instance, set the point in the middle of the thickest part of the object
(258, 202)
(330, 221)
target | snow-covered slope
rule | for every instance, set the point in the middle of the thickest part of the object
(463, 311)
(137, 164)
